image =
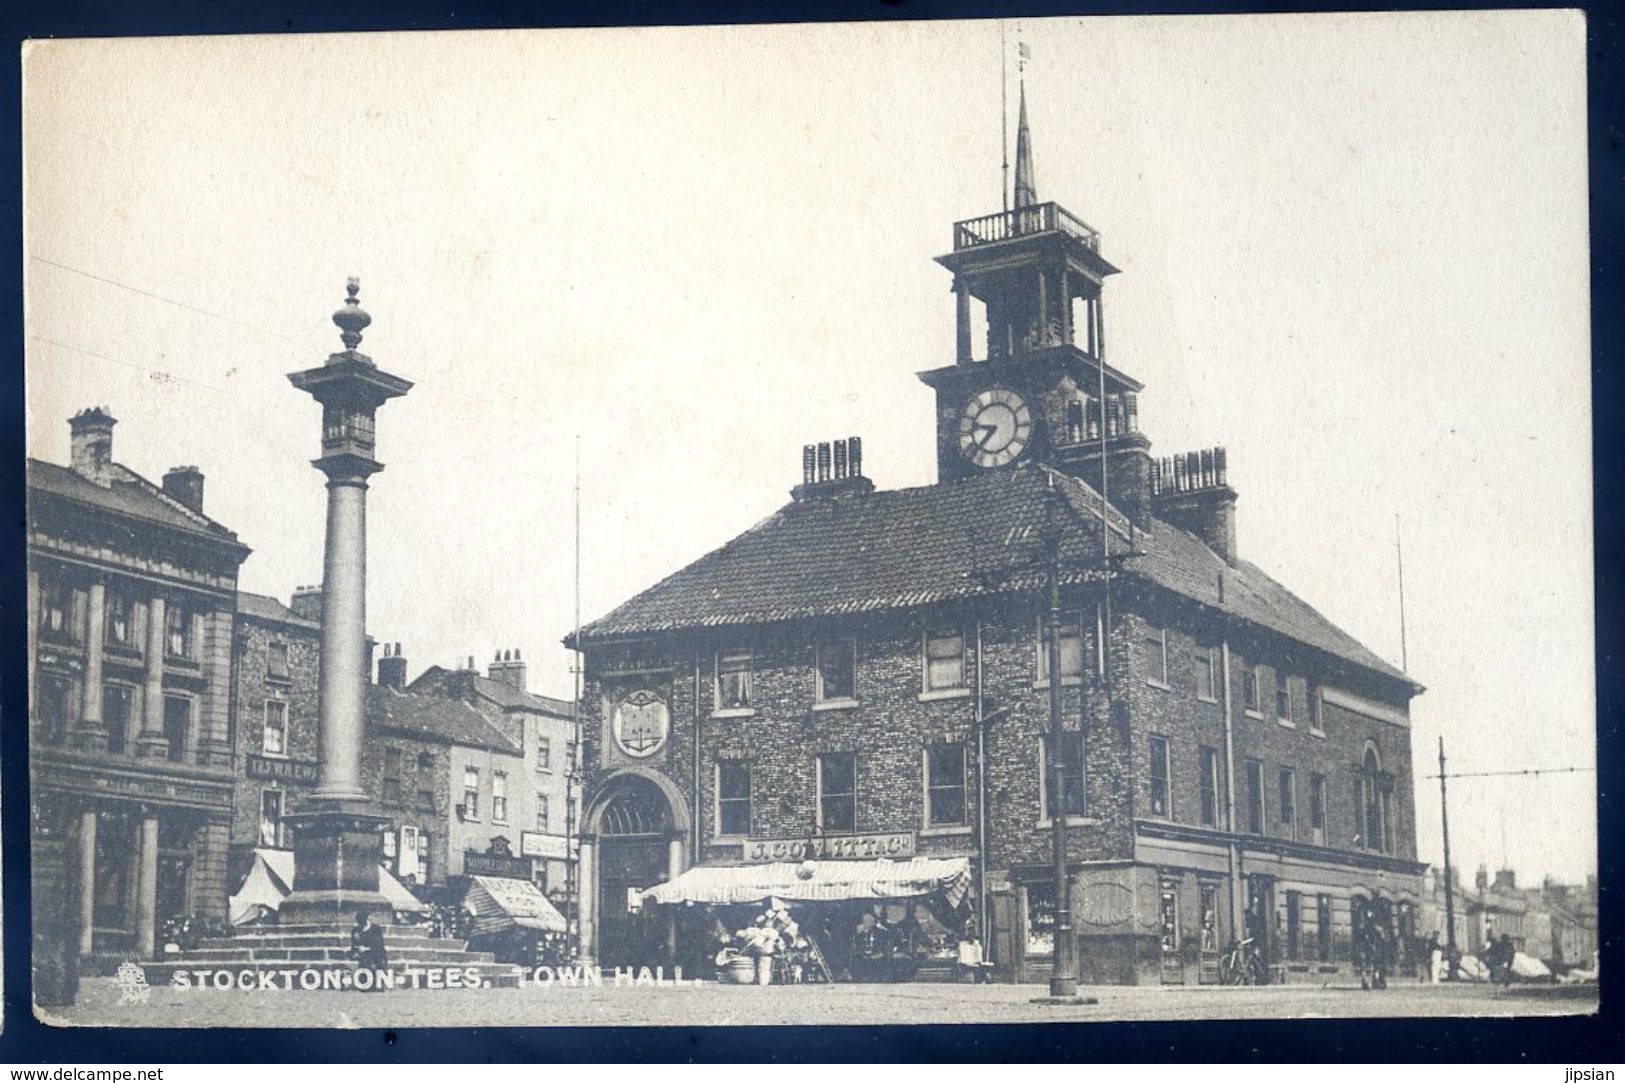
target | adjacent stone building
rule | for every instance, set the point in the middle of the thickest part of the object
(865, 675)
(132, 594)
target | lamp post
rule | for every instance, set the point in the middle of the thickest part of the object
(1063, 980)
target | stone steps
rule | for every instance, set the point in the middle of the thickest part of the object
(335, 953)
(317, 956)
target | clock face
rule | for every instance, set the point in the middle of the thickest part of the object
(995, 427)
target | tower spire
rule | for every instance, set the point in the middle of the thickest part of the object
(1026, 191)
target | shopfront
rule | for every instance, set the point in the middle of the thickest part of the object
(855, 920)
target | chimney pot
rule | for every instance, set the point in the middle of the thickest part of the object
(91, 432)
(185, 484)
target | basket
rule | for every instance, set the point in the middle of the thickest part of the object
(740, 970)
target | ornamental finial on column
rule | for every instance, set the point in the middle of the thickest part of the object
(352, 319)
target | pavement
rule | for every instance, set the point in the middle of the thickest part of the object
(103, 1002)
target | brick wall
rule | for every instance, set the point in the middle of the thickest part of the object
(255, 686)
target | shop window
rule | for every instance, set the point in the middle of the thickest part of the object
(1071, 640)
(1249, 689)
(118, 711)
(944, 658)
(837, 671)
(1323, 928)
(1207, 899)
(541, 812)
(1169, 912)
(1317, 808)
(499, 797)
(945, 803)
(1207, 674)
(471, 793)
(58, 612)
(179, 641)
(1207, 784)
(1255, 797)
(1154, 647)
(1040, 920)
(1072, 777)
(838, 791)
(121, 626)
(177, 725)
(733, 680)
(1288, 806)
(275, 738)
(733, 797)
(423, 856)
(406, 858)
(544, 753)
(271, 818)
(1161, 762)
(1294, 925)
(53, 707)
(276, 662)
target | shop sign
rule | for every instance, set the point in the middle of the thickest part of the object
(899, 844)
(539, 844)
(277, 769)
(506, 865)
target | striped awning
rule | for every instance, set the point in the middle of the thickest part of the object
(500, 903)
(818, 881)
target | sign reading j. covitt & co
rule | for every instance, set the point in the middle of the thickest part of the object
(896, 844)
(277, 769)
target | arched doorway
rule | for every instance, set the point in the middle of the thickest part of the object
(636, 829)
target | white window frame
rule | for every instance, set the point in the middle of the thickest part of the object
(471, 807)
(282, 812)
(1213, 780)
(1167, 812)
(1256, 670)
(1317, 712)
(928, 827)
(1283, 687)
(499, 797)
(1263, 799)
(1317, 835)
(942, 631)
(1041, 654)
(1208, 658)
(1290, 776)
(716, 798)
(265, 728)
(1160, 638)
(818, 792)
(820, 700)
(406, 867)
(544, 753)
(544, 815)
(749, 706)
(272, 648)
(1043, 779)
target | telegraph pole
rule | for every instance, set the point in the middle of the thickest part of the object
(1449, 882)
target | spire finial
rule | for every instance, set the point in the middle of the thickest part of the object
(352, 319)
(1026, 190)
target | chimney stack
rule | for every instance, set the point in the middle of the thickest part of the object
(832, 468)
(1191, 491)
(392, 667)
(92, 443)
(185, 483)
(307, 603)
(508, 668)
(1506, 881)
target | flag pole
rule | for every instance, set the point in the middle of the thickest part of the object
(1004, 120)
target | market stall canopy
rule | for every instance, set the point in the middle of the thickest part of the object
(818, 881)
(500, 903)
(271, 879)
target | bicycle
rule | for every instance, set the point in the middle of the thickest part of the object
(1242, 965)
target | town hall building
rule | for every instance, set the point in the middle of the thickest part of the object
(864, 677)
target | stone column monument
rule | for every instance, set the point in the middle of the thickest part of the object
(338, 842)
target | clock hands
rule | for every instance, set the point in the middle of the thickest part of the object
(989, 430)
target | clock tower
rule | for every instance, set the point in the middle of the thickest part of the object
(1039, 388)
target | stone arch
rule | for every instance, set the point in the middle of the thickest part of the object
(617, 786)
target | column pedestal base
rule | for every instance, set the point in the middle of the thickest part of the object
(335, 874)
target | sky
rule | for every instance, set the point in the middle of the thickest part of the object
(1353, 251)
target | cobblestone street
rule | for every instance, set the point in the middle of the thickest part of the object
(709, 1004)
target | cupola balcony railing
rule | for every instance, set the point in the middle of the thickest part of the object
(1023, 222)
